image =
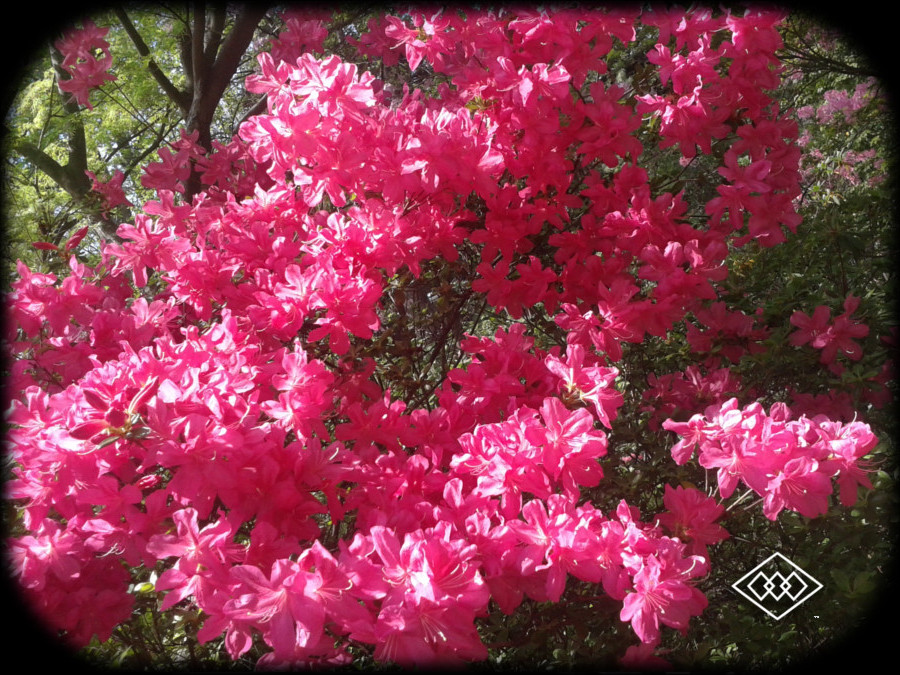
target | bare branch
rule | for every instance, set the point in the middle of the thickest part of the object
(161, 133)
(216, 27)
(233, 49)
(258, 108)
(58, 173)
(208, 92)
(199, 65)
(187, 60)
(180, 98)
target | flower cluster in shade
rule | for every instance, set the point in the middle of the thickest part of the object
(834, 338)
(87, 70)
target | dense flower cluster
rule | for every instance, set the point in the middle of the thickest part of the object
(217, 427)
(788, 462)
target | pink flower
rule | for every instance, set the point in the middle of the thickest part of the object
(87, 71)
(224, 425)
(814, 330)
(799, 486)
(276, 604)
(437, 570)
(110, 191)
(661, 596)
(322, 579)
(200, 554)
(427, 635)
(830, 337)
(54, 550)
(693, 433)
(349, 305)
(691, 517)
(594, 384)
(843, 331)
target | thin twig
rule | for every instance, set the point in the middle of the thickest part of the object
(740, 499)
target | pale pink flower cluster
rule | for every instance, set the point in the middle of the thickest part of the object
(841, 108)
(845, 103)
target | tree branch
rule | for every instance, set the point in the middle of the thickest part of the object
(216, 27)
(258, 108)
(232, 50)
(814, 61)
(187, 61)
(56, 61)
(211, 80)
(164, 129)
(74, 181)
(70, 177)
(180, 98)
(46, 164)
(200, 67)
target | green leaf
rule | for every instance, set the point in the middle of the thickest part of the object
(841, 579)
(863, 583)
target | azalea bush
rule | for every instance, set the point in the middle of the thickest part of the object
(406, 374)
